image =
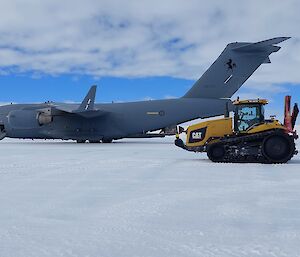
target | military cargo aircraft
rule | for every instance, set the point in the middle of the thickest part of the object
(106, 122)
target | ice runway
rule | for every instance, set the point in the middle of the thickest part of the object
(142, 198)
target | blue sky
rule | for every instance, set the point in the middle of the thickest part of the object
(136, 50)
(65, 88)
(69, 88)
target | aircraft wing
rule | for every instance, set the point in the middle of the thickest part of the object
(85, 109)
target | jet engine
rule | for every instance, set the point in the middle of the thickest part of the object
(44, 118)
(27, 119)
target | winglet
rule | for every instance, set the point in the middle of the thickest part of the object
(89, 101)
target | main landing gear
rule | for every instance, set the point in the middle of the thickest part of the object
(104, 140)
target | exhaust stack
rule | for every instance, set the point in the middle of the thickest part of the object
(295, 115)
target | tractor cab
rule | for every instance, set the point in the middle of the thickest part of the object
(248, 113)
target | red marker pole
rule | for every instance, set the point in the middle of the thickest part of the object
(287, 114)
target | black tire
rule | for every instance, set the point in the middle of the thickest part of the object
(216, 152)
(278, 148)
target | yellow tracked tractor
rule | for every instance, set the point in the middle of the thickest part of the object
(247, 137)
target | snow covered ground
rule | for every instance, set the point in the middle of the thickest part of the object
(142, 198)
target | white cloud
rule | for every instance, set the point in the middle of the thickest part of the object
(143, 38)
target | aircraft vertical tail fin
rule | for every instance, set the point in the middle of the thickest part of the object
(233, 67)
(89, 101)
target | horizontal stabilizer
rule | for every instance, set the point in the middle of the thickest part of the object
(272, 41)
(267, 60)
(262, 45)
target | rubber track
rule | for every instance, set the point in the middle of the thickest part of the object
(229, 141)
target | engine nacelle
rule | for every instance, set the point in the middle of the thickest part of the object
(22, 119)
(28, 119)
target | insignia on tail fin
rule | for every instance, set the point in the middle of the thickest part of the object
(232, 68)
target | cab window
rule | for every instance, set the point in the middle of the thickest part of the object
(246, 116)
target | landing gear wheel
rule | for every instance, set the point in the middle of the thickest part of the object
(278, 148)
(107, 140)
(80, 141)
(94, 141)
(216, 152)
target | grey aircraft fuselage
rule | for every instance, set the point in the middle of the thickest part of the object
(208, 97)
(118, 120)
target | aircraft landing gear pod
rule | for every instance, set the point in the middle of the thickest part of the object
(2, 132)
(251, 139)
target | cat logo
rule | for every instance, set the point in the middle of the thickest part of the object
(197, 135)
